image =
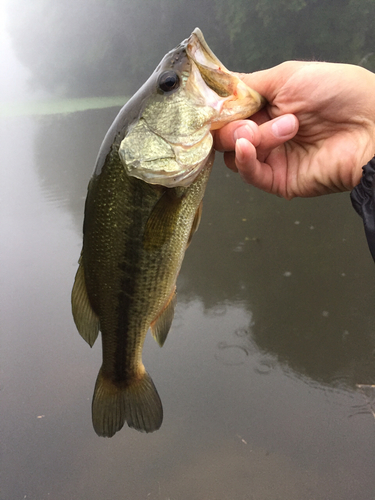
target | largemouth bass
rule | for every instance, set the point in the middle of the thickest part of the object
(143, 205)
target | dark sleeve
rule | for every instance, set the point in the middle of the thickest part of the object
(363, 201)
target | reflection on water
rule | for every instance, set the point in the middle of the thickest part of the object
(267, 374)
(258, 382)
(54, 107)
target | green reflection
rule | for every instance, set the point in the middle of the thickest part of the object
(58, 106)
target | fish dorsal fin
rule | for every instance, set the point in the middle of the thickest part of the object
(87, 322)
(161, 325)
(162, 221)
(196, 222)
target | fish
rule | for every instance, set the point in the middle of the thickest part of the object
(143, 205)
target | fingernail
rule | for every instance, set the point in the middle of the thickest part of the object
(239, 149)
(284, 126)
(244, 132)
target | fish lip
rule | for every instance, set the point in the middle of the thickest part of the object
(197, 48)
(227, 85)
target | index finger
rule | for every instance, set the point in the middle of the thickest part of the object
(225, 138)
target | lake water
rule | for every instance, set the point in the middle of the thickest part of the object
(267, 374)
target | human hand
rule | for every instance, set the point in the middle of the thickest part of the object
(313, 137)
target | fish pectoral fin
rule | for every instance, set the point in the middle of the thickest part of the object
(161, 223)
(162, 324)
(87, 322)
(137, 403)
(196, 222)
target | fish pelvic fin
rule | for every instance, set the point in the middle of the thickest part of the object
(162, 324)
(87, 322)
(138, 404)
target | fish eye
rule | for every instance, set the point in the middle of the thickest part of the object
(168, 81)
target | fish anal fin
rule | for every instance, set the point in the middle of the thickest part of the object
(196, 222)
(87, 322)
(136, 403)
(161, 325)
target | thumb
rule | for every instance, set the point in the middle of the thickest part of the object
(268, 82)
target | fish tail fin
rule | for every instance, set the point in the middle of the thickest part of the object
(137, 403)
